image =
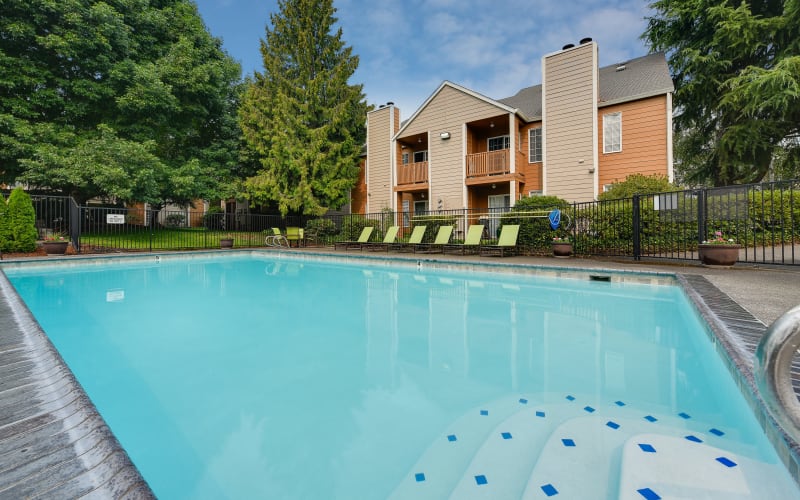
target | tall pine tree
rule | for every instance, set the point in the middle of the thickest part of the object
(301, 119)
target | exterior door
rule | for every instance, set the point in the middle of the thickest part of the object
(498, 204)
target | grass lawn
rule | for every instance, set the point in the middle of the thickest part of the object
(168, 239)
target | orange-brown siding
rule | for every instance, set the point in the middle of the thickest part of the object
(531, 171)
(644, 140)
(358, 196)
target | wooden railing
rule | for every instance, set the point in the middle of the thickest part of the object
(412, 173)
(491, 163)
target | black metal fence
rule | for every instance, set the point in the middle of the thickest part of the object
(763, 218)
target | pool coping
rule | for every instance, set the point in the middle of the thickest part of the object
(37, 368)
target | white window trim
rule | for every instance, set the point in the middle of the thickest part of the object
(618, 116)
(425, 152)
(404, 158)
(530, 141)
(506, 142)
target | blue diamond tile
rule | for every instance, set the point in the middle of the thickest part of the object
(549, 490)
(523, 401)
(588, 409)
(716, 432)
(452, 437)
(650, 418)
(419, 476)
(571, 398)
(647, 448)
(619, 403)
(727, 462)
(694, 438)
(481, 479)
(484, 412)
(684, 415)
(540, 414)
(506, 435)
(649, 494)
(568, 442)
(612, 424)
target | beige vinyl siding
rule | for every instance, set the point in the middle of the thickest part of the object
(447, 112)
(379, 164)
(644, 140)
(570, 115)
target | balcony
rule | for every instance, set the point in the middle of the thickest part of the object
(488, 164)
(412, 173)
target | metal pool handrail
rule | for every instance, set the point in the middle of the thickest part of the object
(772, 371)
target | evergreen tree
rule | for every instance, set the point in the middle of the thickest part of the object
(22, 221)
(5, 226)
(301, 119)
(736, 84)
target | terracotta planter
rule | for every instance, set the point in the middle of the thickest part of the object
(226, 243)
(719, 255)
(562, 250)
(55, 247)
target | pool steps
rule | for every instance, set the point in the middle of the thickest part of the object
(586, 452)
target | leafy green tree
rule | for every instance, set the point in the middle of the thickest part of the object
(637, 184)
(302, 121)
(726, 57)
(141, 81)
(21, 222)
(5, 225)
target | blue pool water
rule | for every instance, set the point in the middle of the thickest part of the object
(247, 377)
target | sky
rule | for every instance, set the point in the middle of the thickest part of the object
(408, 48)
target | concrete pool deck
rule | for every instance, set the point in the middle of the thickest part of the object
(54, 444)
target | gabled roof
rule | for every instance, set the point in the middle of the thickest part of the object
(642, 77)
(503, 106)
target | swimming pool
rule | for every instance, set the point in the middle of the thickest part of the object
(247, 377)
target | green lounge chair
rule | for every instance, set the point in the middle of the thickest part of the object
(389, 239)
(276, 239)
(416, 238)
(471, 244)
(442, 238)
(362, 239)
(506, 243)
(294, 234)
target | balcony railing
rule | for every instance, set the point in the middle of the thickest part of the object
(491, 163)
(412, 173)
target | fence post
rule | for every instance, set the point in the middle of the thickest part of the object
(153, 214)
(637, 227)
(75, 224)
(701, 215)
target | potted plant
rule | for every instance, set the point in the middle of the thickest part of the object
(562, 247)
(719, 251)
(226, 241)
(55, 244)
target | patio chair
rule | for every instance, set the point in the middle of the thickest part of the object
(415, 239)
(294, 234)
(442, 238)
(276, 239)
(389, 239)
(471, 243)
(506, 243)
(362, 239)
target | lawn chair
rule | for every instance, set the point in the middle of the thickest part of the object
(362, 239)
(276, 239)
(506, 243)
(416, 238)
(388, 240)
(442, 238)
(471, 243)
(294, 234)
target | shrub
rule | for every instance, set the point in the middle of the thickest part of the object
(22, 221)
(323, 228)
(174, 220)
(433, 223)
(352, 227)
(5, 226)
(213, 218)
(637, 184)
(535, 232)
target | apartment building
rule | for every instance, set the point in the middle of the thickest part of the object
(581, 130)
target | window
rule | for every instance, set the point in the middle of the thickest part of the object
(535, 192)
(607, 187)
(498, 143)
(405, 158)
(406, 218)
(535, 145)
(420, 156)
(612, 133)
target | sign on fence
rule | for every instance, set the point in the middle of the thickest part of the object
(115, 219)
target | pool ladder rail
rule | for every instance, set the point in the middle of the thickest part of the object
(772, 370)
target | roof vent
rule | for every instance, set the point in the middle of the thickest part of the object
(390, 103)
(621, 67)
(568, 46)
(381, 106)
(585, 40)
